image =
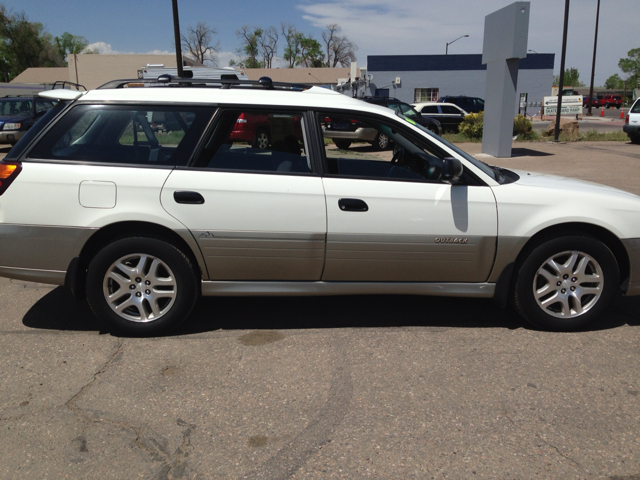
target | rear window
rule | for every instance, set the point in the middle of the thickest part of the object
(138, 135)
(16, 107)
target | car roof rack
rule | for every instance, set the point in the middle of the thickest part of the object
(169, 81)
(64, 84)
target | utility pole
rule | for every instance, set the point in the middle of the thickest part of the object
(176, 31)
(593, 65)
(564, 53)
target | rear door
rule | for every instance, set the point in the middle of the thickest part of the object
(257, 211)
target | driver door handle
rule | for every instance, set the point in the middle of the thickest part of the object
(191, 198)
(352, 205)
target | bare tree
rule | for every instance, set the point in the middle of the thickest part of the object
(199, 43)
(340, 50)
(268, 46)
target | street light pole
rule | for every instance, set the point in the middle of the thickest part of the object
(562, 58)
(593, 65)
(446, 51)
(176, 31)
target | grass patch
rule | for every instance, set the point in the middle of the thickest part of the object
(460, 138)
(593, 136)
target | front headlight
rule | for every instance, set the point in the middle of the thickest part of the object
(11, 126)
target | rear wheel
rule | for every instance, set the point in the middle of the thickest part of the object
(141, 286)
(342, 144)
(262, 140)
(566, 283)
(381, 142)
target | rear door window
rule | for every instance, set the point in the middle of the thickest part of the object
(138, 135)
(246, 140)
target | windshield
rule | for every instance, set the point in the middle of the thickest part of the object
(405, 109)
(481, 165)
(16, 107)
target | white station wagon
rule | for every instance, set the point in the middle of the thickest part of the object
(141, 199)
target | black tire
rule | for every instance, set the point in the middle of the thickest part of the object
(381, 142)
(262, 140)
(618, 107)
(165, 283)
(342, 143)
(635, 139)
(566, 309)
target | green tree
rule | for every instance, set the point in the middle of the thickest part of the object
(571, 77)
(68, 44)
(614, 81)
(631, 66)
(310, 53)
(24, 44)
(250, 38)
(292, 43)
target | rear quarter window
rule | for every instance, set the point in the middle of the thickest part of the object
(137, 135)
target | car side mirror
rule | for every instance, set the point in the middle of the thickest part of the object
(451, 170)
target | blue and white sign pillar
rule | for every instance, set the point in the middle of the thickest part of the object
(506, 33)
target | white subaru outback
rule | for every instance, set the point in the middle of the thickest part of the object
(141, 199)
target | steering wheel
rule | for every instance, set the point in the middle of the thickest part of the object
(398, 154)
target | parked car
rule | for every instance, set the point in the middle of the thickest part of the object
(632, 122)
(141, 223)
(449, 115)
(595, 102)
(18, 114)
(468, 104)
(611, 100)
(346, 131)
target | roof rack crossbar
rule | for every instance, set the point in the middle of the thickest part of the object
(163, 81)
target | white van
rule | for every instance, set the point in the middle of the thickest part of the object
(152, 72)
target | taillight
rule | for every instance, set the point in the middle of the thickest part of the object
(8, 173)
(626, 120)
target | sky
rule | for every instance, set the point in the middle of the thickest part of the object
(391, 27)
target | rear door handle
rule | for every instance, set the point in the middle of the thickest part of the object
(191, 198)
(352, 205)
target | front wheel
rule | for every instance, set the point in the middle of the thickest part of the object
(141, 286)
(566, 283)
(342, 144)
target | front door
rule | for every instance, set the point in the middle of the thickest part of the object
(390, 218)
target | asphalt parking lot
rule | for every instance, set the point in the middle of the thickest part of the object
(335, 387)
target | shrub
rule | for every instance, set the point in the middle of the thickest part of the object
(471, 126)
(522, 126)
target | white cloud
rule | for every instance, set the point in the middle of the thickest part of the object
(418, 27)
(106, 49)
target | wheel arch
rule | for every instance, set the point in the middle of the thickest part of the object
(76, 273)
(600, 233)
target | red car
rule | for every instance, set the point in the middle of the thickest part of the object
(595, 103)
(611, 100)
(259, 130)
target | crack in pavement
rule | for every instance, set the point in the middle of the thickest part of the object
(318, 432)
(558, 451)
(174, 464)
